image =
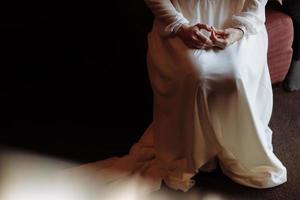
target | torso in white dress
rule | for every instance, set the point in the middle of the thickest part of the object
(208, 105)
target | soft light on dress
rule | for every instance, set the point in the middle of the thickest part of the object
(209, 105)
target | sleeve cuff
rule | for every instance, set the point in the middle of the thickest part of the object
(174, 26)
(242, 28)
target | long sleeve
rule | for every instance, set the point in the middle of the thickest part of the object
(252, 16)
(166, 13)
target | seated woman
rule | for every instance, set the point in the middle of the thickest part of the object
(207, 64)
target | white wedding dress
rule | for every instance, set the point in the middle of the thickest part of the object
(209, 106)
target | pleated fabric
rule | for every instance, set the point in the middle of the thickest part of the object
(210, 107)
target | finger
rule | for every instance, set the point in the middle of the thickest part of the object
(222, 43)
(214, 37)
(218, 31)
(203, 38)
(204, 26)
(221, 33)
(199, 44)
(204, 46)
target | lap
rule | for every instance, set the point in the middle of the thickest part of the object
(247, 56)
(245, 59)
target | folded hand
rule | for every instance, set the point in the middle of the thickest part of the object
(194, 37)
(226, 37)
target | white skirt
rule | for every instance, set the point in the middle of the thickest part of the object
(210, 106)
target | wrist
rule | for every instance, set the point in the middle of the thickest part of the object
(181, 30)
(242, 29)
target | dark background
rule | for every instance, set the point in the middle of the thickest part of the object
(74, 82)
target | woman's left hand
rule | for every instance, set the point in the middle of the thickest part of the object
(226, 37)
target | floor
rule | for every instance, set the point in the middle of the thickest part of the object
(285, 123)
(57, 138)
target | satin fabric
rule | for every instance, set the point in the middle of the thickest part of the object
(210, 106)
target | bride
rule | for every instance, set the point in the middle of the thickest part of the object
(207, 64)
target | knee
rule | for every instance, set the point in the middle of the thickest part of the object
(223, 76)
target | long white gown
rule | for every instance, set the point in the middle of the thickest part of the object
(209, 105)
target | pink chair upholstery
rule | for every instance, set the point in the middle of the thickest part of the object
(281, 33)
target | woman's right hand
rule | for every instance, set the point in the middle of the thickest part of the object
(193, 38)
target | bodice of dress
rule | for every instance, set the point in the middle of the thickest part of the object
(250, 15)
